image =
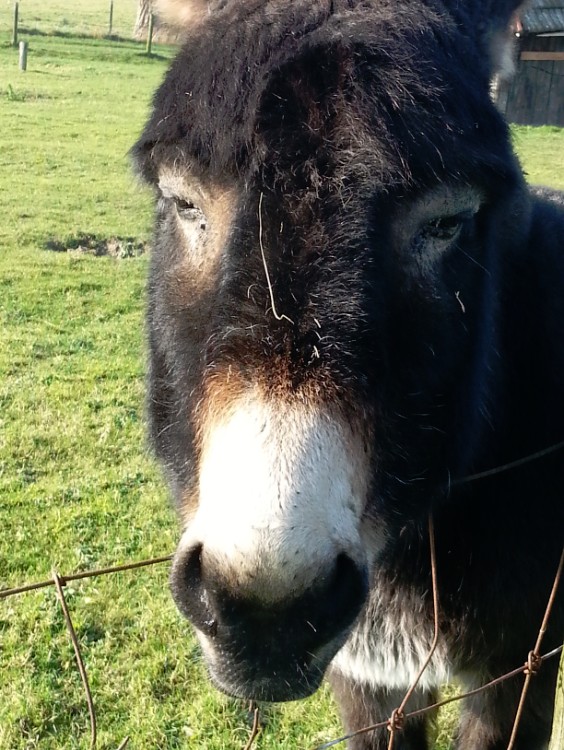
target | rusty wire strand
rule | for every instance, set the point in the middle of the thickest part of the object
(433, 707)
(486, 686)
(532, 665)
(59, 582)
(397, 719)
(84, 574)
(255, 728)
(511, 465)
(392, 722)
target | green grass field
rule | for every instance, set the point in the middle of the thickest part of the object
(78, 489)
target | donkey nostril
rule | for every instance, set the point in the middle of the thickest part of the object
(345, 572)
(192, 567)
(344, 593)
(313, 617)
(190, 593)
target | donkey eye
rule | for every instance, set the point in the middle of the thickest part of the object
(436, 235)
(187, 211)
(184, 207)
(444, 228)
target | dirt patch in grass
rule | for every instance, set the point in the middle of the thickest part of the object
(115, 247)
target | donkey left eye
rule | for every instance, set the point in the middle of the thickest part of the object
(445, 228)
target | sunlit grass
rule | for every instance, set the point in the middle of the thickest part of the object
(542, 154)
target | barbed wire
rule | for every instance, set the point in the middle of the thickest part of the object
(533, 660)
(254, 709)
(59, 582)
(395, 723)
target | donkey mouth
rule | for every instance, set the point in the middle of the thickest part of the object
(275, 677)
(273, 688)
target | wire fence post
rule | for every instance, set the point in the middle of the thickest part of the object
(111, 19)
(15, 29)
(150, 34)
(60, 582)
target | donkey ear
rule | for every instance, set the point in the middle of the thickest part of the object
(487, 14)
(490, 21)
(501, 17)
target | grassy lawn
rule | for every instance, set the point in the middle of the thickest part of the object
(541, 151)
(77, 487)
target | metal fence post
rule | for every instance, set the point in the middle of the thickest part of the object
(111, 21)
(15, 31)
(150, 34)
(23, 55)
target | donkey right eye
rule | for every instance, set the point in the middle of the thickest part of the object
(185, 209)
(182, 205)
(188, 212)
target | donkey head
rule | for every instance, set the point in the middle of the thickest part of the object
(330, 180)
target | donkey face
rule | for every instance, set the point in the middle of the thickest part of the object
(329, 181)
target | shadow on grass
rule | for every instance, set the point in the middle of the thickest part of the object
(91, 244)
(138, 48)
(79, 35)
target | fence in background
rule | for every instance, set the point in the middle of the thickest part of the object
(394, 723)
(98, 18)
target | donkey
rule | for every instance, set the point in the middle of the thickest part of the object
(355, 312)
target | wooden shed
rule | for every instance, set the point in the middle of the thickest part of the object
(535, 94)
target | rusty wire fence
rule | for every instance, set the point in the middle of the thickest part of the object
(395, 723)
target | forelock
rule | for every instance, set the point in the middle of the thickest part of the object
(211, 104)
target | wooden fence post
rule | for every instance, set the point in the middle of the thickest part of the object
(15, 31)
(23, 55)
(150, 34)
(557, 740)
(111, 21)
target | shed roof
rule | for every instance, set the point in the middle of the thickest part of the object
(543, 17)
